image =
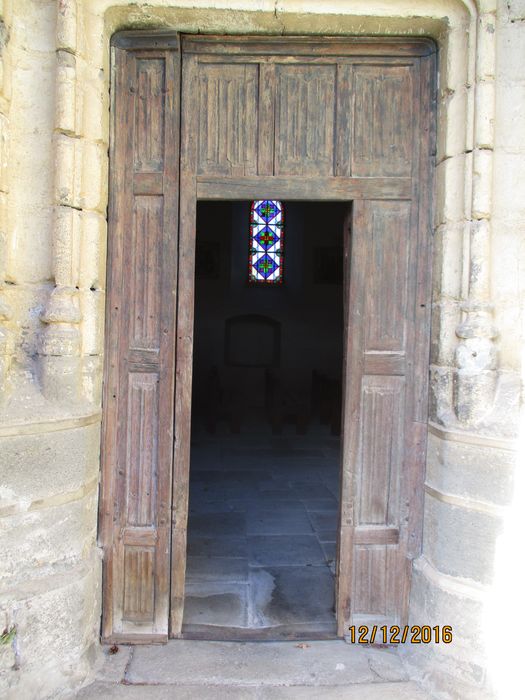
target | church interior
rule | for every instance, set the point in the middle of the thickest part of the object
(266, 420)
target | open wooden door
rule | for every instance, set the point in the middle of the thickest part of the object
(334, 119)
(135, 513)
(387, 324)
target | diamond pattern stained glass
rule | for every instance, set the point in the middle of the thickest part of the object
(266, 241)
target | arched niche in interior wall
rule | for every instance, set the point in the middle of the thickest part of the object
(252, 340)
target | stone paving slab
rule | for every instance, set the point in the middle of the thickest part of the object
(370, 691)
(285, 550)
(184, 662)
(108, 691)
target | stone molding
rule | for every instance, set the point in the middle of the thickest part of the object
(58, 499)
(50, 426)
(471, 438)
(452, 584)
(466, 503)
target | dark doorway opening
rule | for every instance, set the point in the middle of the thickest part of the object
(266, 421)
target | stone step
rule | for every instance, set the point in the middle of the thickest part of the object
(201, 669)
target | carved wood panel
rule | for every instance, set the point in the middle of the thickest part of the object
(227, 119)
(382, 121)
(304, 120)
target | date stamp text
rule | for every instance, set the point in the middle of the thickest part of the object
(393, 634)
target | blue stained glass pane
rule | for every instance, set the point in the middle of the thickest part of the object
(266, 241)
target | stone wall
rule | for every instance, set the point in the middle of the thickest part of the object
(54, 120)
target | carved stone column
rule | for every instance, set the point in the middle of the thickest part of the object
(476, 354)
(60, 342)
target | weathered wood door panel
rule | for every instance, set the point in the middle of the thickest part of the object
(386, 348)
(135, 523)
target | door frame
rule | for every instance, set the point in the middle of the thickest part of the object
(194, 188)
(361, 191)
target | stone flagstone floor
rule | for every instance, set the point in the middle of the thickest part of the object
(262, 526)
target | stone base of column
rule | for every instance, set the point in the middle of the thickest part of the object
(474, 394)
(475, 379)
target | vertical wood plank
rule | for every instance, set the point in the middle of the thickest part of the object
(345, 535)
(184, 361)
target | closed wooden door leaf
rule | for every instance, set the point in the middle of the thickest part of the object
(140, 342)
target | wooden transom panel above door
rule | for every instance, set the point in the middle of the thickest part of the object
(292, 108)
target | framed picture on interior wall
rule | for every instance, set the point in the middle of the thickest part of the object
(328, 265)
(208, 260)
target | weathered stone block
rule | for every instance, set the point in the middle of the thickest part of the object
(452, 124)
(458, 541)
(60, 372)
(486, 47)
(95, 112)
(67, 461)
(453, 65)
(92, 305)
(92, 367)
(440, 394)
(516, 9)
(67, 241)
(56, 628)
(509, 169)
(450, 190)
(510, 117)
(482, 184)
(93, 251)
(40, 542)
(67, 156)
(66, 33)
(511, 44)
(485, 107)
(94, 193)
(447, 251)
(445, 318)
(66, 92)
(471, 471)
(436, 601)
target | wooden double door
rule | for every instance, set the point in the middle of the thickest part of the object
(239, 118)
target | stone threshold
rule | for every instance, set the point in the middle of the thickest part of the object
(272, 670)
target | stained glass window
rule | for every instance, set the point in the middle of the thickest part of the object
(266, 241)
